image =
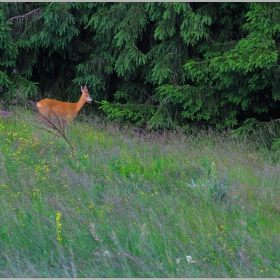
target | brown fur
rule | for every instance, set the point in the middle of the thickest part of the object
(51, 108)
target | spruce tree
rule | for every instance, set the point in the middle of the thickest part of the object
(155, 64)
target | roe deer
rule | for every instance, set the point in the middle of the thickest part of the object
(64, 110)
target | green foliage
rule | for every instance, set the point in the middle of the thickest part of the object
(8, 52)
(154, 64)
(244, 76)
(47, 36)
(138, 114)
(195, 103)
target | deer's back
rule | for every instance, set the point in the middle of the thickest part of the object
(51, 107)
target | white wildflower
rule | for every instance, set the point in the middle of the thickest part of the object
(178, 260)
(189, 259)
(107, 253)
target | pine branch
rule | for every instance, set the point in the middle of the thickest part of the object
(23, 16)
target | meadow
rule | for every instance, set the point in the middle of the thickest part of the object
(134, 204)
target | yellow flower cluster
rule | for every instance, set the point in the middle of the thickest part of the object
(58, 227)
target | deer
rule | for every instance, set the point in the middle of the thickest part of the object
(67, 111)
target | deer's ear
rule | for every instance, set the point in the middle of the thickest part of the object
(81, 88)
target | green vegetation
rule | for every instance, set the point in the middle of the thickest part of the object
(156, 65)
(108, 199)
(132, 204)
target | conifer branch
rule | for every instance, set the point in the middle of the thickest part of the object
(23, 16)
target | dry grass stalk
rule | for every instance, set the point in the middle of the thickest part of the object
(56, 126)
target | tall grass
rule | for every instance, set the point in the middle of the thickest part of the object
(136, 205)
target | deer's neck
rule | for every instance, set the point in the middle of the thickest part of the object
(79, 105)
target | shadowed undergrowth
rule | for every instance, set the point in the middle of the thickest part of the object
(136, 205)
